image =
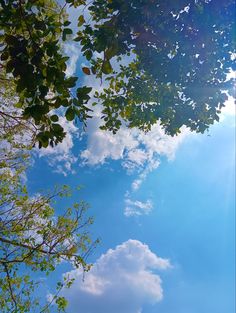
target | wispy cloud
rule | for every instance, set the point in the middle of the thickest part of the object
(121, 280)
(136, 208)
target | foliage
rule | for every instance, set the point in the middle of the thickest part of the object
(180, 51)
(171, 60)
(34, 237)
(31, 35)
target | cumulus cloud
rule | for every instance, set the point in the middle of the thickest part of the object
(103, 145)
(136, 208)
(138, 152)
(122, 280)
(135, 148)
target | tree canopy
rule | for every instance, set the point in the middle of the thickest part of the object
(183, 51)
(36, 234)
(163, 60)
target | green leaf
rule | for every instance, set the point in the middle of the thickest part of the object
(43, 138)
(43, 91)
(66, 31)
(65, 103)
(67, 23)
(11, 40)
(82, 92)
(4, 56)
(81, 20)
(70, 114)
(54, 118)
(71, 82)
(57, 128)
(88, 54)
(106, 67)
(111, 51)
(39, 25)
(61, 303)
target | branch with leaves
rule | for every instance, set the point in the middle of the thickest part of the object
(35, 235)
(171, 61)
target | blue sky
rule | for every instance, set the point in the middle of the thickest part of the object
(165, 214)
(164, 209)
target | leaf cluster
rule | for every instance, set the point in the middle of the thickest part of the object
(164, 61)
(181, 53)
(31, 54)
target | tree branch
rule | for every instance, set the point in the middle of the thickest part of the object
(10, 287)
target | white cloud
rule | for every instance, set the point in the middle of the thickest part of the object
(135, 148)
(138, 151)
(154, 163)
(136, 208)
(60, 157)
(103, 145)
(229, 109)
(73, 52)
(121, 281)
